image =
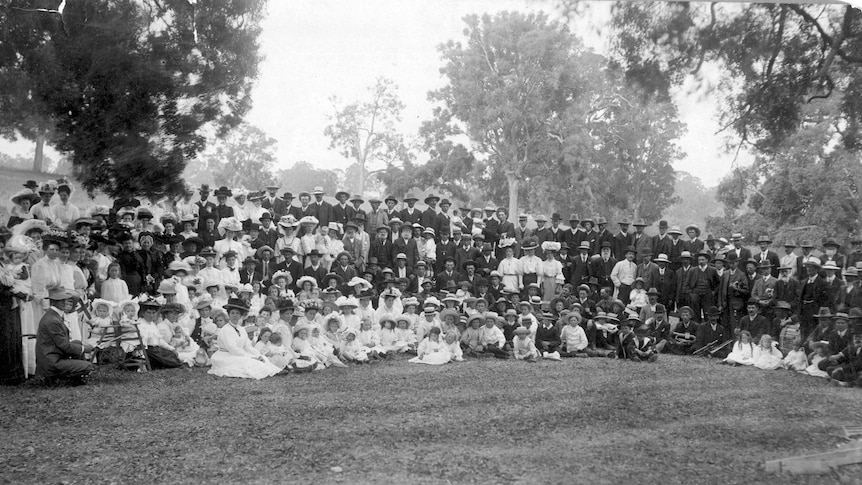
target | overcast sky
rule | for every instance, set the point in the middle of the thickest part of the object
(319, 48)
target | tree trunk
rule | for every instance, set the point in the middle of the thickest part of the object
(514, 185)
(361, 187)
(39, 155)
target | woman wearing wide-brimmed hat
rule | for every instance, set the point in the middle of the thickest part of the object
(236, 356)
(230, 228)
(21, 203)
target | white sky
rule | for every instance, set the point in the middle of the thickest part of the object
(318, 48)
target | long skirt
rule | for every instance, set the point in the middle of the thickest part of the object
(11, 350)
(225, 364)
(31, 313)
(434, 358)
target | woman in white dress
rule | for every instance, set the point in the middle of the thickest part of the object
(230, 228)
(287, 236)
(236, 356)
(432, 350)
(550, 271)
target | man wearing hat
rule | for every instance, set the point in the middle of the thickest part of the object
(410, 214)
(703, 284)
(812, 294)
(786, 286)
(467, 251)
(766, 255)
(789, 258)
(320, 208)
(624, 273)
(602, 234)
(57, 356)
(429, 215)
(273, 202)
(675, 248)
(391, 202)
(405, 244)
(845, 367)
(248, 273)
(521, 232)
(602, 265)
(341, 212)
(42, 209)
(622, 239)
(666, 283)
(834, 283)
(831, 253)
(506, 229)
(711, 333)
(448, 274)
(742, 253)
(661, 241)
(738, 290)
(851, 293)
(855, 255)
(683, 289)
(763, 289)
(486, 262)
(377, 217)
(694, 245)
(444, 220)
(575, 234)
(555, 233)
(647, 269)
(642, 243)
(579, 271)
(445, 248)
(290, 264)
(381, 247)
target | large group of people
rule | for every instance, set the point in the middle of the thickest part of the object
(254, 285)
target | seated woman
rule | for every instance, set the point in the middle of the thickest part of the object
(432, 350)
(236, 356)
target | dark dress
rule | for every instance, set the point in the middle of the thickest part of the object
(11, 351)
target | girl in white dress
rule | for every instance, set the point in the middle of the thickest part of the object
(303, 348)
(820, 352)
(236, 356)
(370, 339)
(114, 288)
(766, 355)
(743, 350)
(452, 342)
(432, 350)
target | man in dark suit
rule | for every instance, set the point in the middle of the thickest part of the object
(812, 295)
(641, 241)
(648, 270)
(444, 220)
(266, 265)
(711, 332)
(579, 273)
(410, 215)
(321, 208)
(56, 355)
(377, 217)
(766, 255)
(428, 217)
(448, 274)
(381, 247)
(661, 242)
(204, 206)
(851, 294)
(666, 282)
(405, 244)
(703, 284)
(802, 260)
(305, 207)
(315, 268)
(603, 235)
(622, 239)
(290, 265)
(248, 273)
(556, 232)
(486, 262)
(445, 248)
(742, 253)
(738, 291)
(466, 251)
(676, 246)
(522, 232)
(277, 205)
(341, 212)
(268, 233)
(602, 264)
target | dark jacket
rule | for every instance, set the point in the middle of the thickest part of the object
(54, 349)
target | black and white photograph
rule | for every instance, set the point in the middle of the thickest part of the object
(430, 241)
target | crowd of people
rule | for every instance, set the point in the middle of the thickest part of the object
(254, 285)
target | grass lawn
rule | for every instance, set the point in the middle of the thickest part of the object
(681, 420)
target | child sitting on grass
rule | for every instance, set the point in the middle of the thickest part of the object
(767, 356)
(454, 346)
(352, 350)
(819, 353)
(432, 350)
(523, 346)
(795, 359)
(573, 337)
(743, 350)
(370, 339)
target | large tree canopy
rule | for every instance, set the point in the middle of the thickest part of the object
(126, 87)
(532, 116)
(790, 89)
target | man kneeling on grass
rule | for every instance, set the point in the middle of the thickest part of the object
(635, 346)
(845, 367)
(57, 357)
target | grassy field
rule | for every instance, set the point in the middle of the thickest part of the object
(580, 420)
